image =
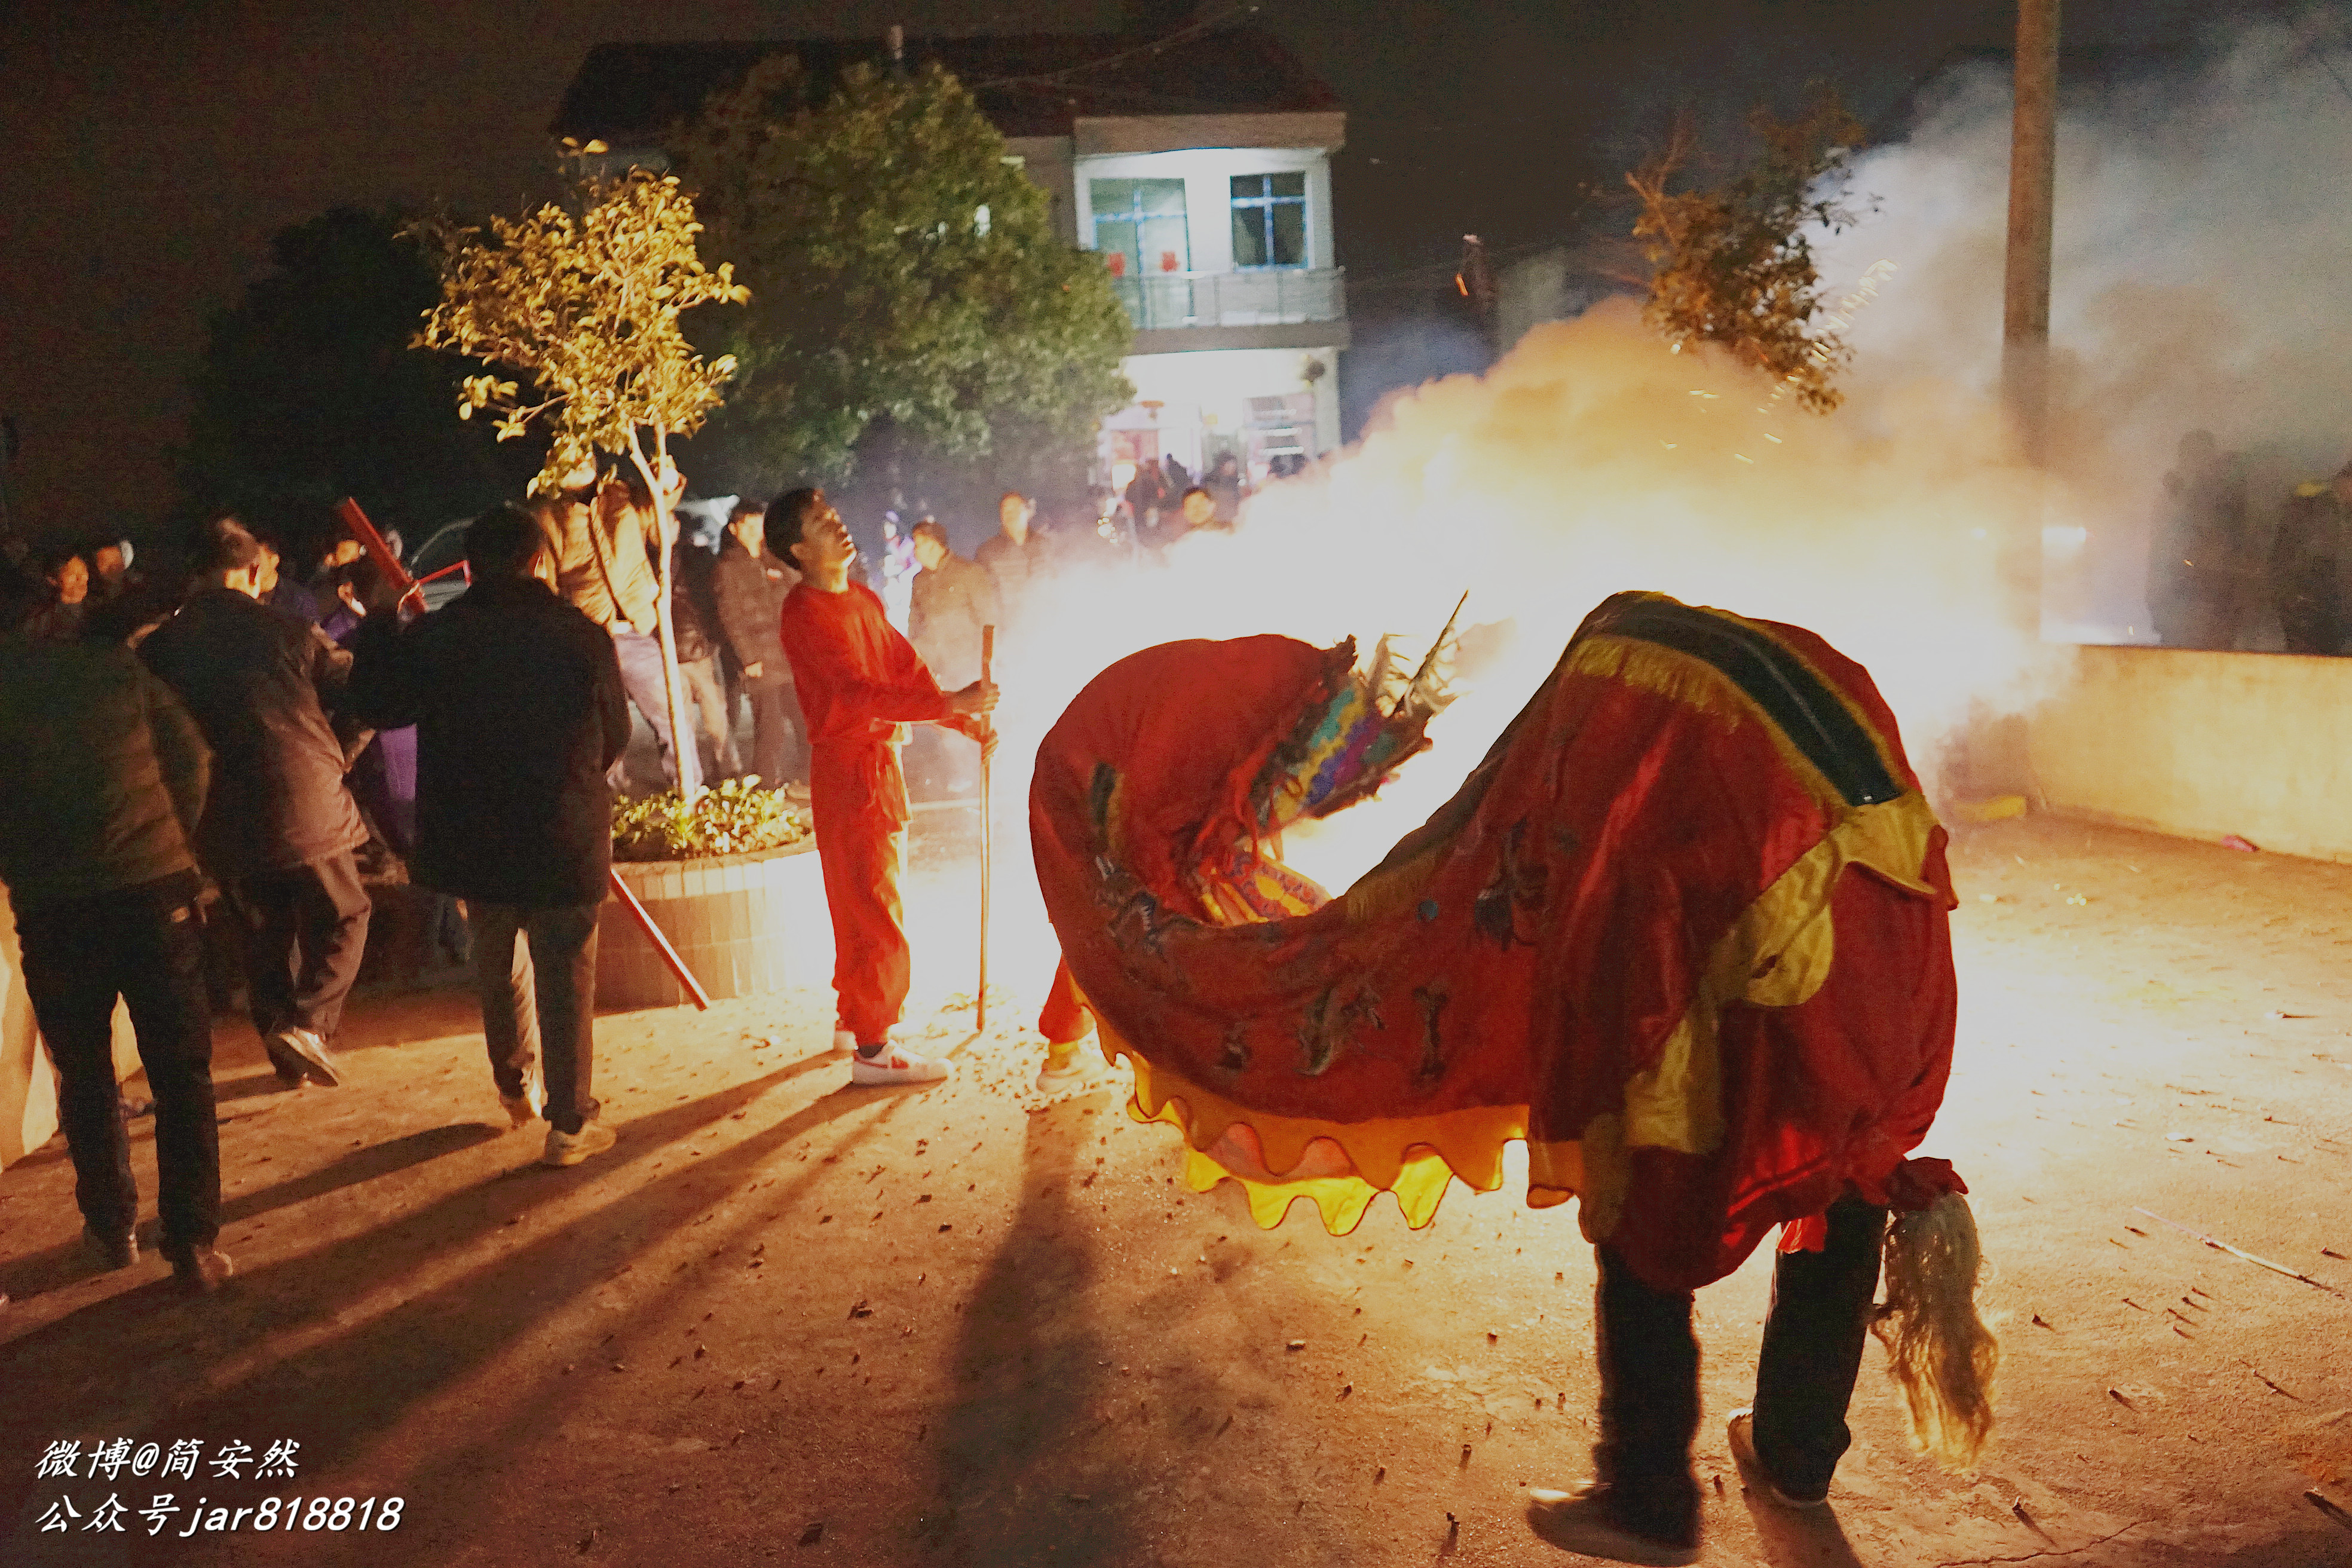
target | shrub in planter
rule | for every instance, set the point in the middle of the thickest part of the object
(736, 817)
(732, 883)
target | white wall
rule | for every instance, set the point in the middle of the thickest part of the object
(2203, 744)
(1208, 194)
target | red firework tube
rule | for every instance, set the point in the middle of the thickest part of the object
(373, 543)
(397, 575)
(661, 944)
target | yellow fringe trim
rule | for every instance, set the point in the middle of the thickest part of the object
(1414, 1157)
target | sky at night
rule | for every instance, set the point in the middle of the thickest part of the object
(154, 148)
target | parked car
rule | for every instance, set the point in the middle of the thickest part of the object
(439, 564)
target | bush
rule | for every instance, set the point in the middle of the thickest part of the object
(736, 817)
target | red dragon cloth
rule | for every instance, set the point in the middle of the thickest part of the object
(1683, 932)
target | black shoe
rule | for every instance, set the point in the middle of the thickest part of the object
(1588, 1520)
(200, 1271)
(299, 1053)
(1741, 1429)
(111, 1252)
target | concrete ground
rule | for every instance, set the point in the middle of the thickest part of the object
(789, 1320)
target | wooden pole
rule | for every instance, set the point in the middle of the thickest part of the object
(2025, 300)
(397, 575)
(987, 828)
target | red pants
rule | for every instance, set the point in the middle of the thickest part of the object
(857, 805)
(1065, 1018)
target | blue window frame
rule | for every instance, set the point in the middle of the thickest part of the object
(1269, 220)
(1141, 222)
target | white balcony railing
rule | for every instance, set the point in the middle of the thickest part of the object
(1272, 297)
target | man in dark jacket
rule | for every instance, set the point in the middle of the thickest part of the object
(519, 711)
(1016, 557)
(2309, 561)
(954, 598)
(279, 828)
(104, 774)
(750, 586)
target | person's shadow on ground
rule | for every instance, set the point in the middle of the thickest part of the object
(149, 1364)
(1030, 1371)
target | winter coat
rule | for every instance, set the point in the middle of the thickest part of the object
(1019, 569)
(102, 770)
(749, 593)
(258, 683)
(519, 710)
(690, 567)
(607, 575)
(951, 602)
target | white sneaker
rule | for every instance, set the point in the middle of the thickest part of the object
(896, 1064)
(570, 1147)
(1064, 1072)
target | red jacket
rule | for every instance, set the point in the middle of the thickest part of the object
(858, 678)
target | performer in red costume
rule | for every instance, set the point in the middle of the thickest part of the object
(858, 681)
(1682, 933)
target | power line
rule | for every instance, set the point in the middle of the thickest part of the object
(1199, 27)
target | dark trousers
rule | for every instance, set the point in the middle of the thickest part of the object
(141, 944)
(778, 733)
(539, 1001)
(305, 934)
(2311, 614)
(1804, 1376)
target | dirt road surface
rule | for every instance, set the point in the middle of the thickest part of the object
(787, 1321)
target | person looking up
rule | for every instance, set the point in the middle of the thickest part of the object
(858, 681)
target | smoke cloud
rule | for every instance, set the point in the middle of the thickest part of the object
(2199, 256)
(2197, 282)
(1592, 459)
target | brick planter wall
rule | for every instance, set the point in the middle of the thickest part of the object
(746, 925)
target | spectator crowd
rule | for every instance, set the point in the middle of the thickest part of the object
(208, 777)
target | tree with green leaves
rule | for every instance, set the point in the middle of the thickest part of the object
(906, 283)
(586, 301)
(308, 392)
(1734, 263)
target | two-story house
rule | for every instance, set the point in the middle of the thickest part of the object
(1199, 169)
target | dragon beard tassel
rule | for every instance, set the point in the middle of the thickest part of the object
(1938, 1350)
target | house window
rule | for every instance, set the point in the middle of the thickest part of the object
(1140, 226)
(1269, 220)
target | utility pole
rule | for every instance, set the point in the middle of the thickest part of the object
(2025, 306)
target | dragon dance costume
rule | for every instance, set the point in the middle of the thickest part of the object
(1683, 931)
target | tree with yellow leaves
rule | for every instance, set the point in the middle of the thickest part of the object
(1734, 263)
(584, 300)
